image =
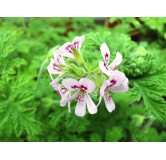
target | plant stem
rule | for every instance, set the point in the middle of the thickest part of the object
(40, 73)
(148, 124)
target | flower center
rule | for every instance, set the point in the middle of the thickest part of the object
(108, 95)
(63, 90)
(80, 98)
(82, 87)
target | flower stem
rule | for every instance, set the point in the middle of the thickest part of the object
(148, 124)
(40, 73)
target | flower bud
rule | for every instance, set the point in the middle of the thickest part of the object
(78, 57)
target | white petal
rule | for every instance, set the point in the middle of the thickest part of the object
(77, 42)
(88, 84)
(109, 103)
(66, 100)
(55, 84)
(92, 108)
(123, 87)
(66, 50)
(80, 109)
(116, 61)
(52, 69)
(118, 77)
(58, 57)
(69, 103)
(104, 69)
(120, 88)
(125, 82)
(56, 53)
(104, 86)
(105, 52)
(71, 84)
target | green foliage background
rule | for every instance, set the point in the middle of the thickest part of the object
(29, 108)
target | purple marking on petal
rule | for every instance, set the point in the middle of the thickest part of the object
(63, 90)
(106, 56)
(105, 65)
(108, 97)
(58, 60)
(82, 87)
(76, 44)
(69, 48)
(54, 64)
(115, 68)
(113, 81)
(55, 67)
(75, 87)
(80, 98)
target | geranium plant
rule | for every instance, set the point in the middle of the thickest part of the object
(79, 88)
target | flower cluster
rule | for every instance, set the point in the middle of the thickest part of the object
(78, 84)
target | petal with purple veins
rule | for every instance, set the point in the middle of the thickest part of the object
(80, 109)
(71, 84)
(87, 84)
(77, 42)
(104, 87)
(109, 103)
(66, 100)
(104, 68)
(66, 50)
(53, 68)
(105, 52)
(117, 78)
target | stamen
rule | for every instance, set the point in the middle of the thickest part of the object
(63, 90)
(115, 68)
(108, 97)
(80, 98)
(82, 87)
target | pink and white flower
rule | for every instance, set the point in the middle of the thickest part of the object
(62, 91)
(117, 82)
(82, 88)
(67, 49)
(56, 64)
(107, 69)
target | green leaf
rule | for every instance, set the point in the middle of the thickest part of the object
(114, 135)
(152, 90)
(95, 137)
